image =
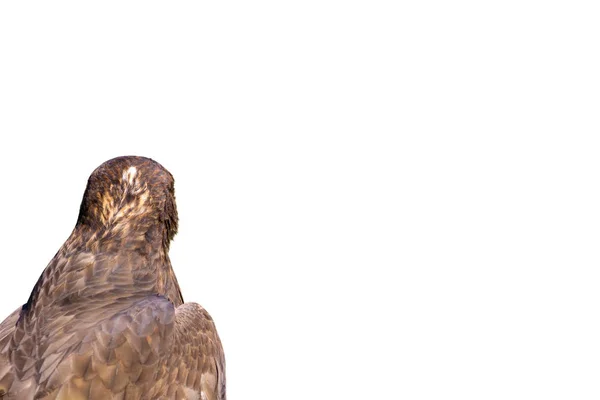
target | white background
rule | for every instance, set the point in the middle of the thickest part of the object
(378, 200)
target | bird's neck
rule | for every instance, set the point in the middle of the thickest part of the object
(121, 260)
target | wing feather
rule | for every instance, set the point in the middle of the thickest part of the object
(198, 352)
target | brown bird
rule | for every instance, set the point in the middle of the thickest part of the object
(106, 319)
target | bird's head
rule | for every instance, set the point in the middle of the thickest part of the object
(126, 189)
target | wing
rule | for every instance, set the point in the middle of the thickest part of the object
(7, 327)
(198, 359)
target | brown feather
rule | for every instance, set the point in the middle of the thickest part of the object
(106, 318)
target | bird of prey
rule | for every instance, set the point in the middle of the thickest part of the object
(106, 319)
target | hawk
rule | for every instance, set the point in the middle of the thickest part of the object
(106, 319)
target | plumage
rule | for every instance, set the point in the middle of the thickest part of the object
(106, 319)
